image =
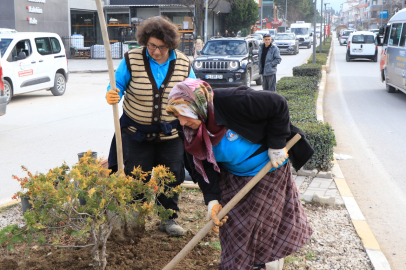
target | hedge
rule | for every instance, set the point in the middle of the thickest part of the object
(321, 58)
(301, 92)
(313, 70)
(321, 138)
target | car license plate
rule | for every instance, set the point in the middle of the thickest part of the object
(357, 50)
(214, 76)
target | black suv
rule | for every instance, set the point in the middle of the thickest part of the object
(226, 62)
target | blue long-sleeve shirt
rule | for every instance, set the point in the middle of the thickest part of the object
(159, 71)
(233, 152)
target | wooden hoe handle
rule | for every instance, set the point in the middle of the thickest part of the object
(109, 59)
(206, 229)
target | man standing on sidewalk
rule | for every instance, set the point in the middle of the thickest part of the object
(269, 58)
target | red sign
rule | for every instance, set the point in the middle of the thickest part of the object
(27, 72)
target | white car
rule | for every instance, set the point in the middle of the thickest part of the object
(362, 44)
(3, 97)
(344, 36)
(33, 61)
(287, 43)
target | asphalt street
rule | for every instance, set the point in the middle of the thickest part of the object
(369, 126)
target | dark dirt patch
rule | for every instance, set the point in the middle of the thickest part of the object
(152, 250)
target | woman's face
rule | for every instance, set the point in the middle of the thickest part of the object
(188, 121)
(161, 53)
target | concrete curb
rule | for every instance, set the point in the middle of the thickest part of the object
(371, 246)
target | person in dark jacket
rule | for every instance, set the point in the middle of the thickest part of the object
(269, 58)
(229, 135)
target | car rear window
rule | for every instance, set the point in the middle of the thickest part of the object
(56, 46)
(363, 39)
(4, 43)
(347, 33)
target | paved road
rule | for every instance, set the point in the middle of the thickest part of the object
(369, 126)
(40, 131)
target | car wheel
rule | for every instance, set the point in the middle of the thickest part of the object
(247, 81)
(59, 85)
(347, 58)
(8, 90)
(390, 89)
(309, 46)
(259, 81)
(375, 59)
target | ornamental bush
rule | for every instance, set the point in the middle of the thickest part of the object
(56, 208)
(312, 70)
(301, 92)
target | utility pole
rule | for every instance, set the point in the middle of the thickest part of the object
(286, 14)
(324, 32)
(205, 22)
(314, 33)
(262, 11)
(381, 15)
(321, 26)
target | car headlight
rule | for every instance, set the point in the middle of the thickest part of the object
(233, 64)
(198, 64)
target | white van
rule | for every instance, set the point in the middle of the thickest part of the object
(33, 61)
(362, 44)
(303, 32)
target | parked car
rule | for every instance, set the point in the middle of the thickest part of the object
(226, 62)
(344, 36)
(262, 32)
(258, 37)
(362, 44)
(287, 43)
(3, 97)
(33, 61)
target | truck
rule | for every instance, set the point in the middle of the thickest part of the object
(303, 33)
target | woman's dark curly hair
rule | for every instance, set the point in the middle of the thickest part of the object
(161, 28)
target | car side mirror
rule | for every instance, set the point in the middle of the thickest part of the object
(21, 56)
(381, 30)
(255, 52)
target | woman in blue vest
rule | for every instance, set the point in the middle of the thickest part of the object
(230, 134)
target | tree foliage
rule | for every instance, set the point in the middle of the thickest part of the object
(243, 14)
(58, 211)
(298, 10)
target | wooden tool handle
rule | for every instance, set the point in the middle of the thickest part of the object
(206, 229)
(110, 65)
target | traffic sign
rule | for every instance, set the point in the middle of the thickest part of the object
(383, 14)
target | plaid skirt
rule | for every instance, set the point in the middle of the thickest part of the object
(268, 224)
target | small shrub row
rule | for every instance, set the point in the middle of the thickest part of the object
(321, 58)
(312, 70)
(300, 92)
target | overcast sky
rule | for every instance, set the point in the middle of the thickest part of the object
(335, 4)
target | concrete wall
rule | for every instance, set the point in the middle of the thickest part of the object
(83, 4)
(145, 13)
(7, 14)
(54, 17)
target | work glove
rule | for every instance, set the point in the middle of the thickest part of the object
(112, 96)
(277, 156)
(213, 209)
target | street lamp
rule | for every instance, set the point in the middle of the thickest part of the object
(314, 33)
(324, 32)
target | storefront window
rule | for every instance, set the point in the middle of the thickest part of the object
(119, 28)
(85, 23)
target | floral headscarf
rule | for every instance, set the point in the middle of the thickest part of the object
(194, 98)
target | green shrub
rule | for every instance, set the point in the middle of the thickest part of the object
(313, 70)
(244, 32)
(321, 138)
(293, 83)
(321, 58)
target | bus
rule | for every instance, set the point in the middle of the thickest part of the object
(393, 55)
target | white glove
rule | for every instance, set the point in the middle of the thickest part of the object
(277, 156)
(213, 208)
(210, 207)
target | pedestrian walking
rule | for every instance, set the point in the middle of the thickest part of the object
(226, 146)
(144, 79)
(269, 58)
(199, 44)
